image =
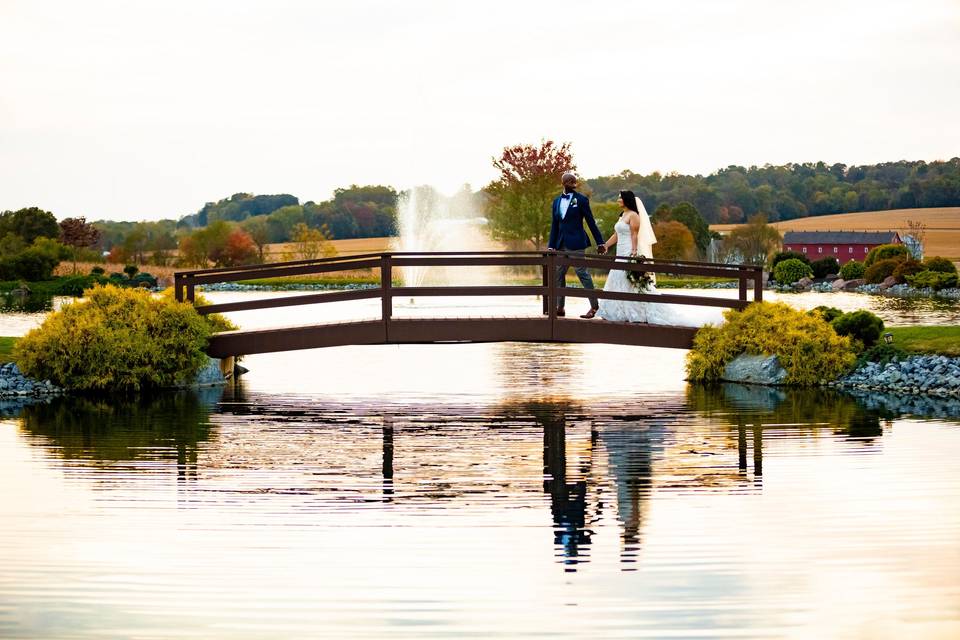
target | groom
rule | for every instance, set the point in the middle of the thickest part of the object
(570, 209)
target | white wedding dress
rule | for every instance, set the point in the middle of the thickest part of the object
(647, 312)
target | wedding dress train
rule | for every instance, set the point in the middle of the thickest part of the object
(647, 312)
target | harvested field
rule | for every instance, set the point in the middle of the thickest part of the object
(943, 226)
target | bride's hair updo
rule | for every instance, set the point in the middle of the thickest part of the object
(629, 200)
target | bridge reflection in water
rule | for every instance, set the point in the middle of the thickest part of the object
(546, 326)
(591, 466)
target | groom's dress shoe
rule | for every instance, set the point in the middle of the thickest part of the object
(589, 314)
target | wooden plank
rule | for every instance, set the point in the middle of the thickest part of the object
(290, 301)
(236, 343)
(282, 272)
(476, 261)
(289, 263)
(627, 333)
(508, 290)
(676, 269)
(432, 330)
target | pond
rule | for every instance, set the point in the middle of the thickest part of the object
(477, 490)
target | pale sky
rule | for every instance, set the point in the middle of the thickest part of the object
(142, 110)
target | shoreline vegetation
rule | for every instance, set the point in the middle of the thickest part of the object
(914, 340)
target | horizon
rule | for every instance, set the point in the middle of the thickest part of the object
(145, 112)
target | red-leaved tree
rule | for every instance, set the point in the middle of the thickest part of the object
(520, 198)
(78, 234)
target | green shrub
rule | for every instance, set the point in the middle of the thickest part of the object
(74, 285)
(852, 270)
(825, 266)
(131, 270)
(882, 353)
(98, 271)
(33, 265)
(791, 270)
(862, 326)
(906, 268)
(780, 256)
(117, 340)
(827, 313)
(941, 265)
(805, 344)
(886, 252)
(933, 280)
(880, 271)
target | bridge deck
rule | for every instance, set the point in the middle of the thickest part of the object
(440, 330)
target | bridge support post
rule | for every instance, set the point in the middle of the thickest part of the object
(386, 293)
(547, 278)
(742, 275)
(758, 285)
(178, 287)
(551, 298)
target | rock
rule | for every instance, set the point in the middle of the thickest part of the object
(752, 369)
(804, 282)
(850, 285)
(832, 276)
(838, 284)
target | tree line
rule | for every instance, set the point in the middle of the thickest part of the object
(785, 192)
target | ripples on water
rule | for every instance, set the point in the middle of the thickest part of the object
(646, 509)
(477, 490)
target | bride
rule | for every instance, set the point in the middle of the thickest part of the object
(633, 236)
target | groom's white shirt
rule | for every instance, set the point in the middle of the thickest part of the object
(565, 199)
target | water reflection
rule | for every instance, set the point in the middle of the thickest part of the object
(168, 426)
(33, 303)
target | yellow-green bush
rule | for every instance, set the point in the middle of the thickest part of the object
(807, 346)
(117, 339)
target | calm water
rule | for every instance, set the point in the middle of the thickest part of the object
(477, 490)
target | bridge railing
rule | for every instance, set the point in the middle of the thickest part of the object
(185, 282)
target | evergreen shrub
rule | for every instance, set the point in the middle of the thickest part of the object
(886, 252)
(791, 270)
(780, 256)
(806, 345)
(117, 339)
(880, 271)
(825, 266)
(852, 270)
(941, 265)
(933, 280)
(862, 326)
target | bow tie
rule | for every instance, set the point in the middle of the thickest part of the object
(566, 196)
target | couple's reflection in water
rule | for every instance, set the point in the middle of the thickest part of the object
(599, 467)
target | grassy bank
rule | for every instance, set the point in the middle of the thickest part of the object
(927, 339)
(6, 349)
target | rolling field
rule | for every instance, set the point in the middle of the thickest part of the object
(943, 226)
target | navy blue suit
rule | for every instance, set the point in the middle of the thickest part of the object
(567, 234)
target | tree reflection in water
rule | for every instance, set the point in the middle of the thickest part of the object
(592, 458)
(107, 429)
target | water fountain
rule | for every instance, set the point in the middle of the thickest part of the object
(431, 221)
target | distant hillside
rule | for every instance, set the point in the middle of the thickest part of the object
(942, 236)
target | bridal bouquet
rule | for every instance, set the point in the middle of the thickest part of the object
(639, 279)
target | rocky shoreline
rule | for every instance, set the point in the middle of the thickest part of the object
(14, 385)
(915, 375)
(888, 287)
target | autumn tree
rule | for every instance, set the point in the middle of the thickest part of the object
(755, 242)
(310, 243)
(259, 232)
(78, 234)
(520, 199)
(236, 249)
(674, 241)
(688, 215)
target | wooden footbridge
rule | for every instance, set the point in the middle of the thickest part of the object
(388, 329)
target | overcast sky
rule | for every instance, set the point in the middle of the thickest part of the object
(143, 110)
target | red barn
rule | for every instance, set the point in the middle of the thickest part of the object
(842, 245)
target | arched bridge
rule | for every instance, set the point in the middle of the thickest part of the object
(390, 329)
